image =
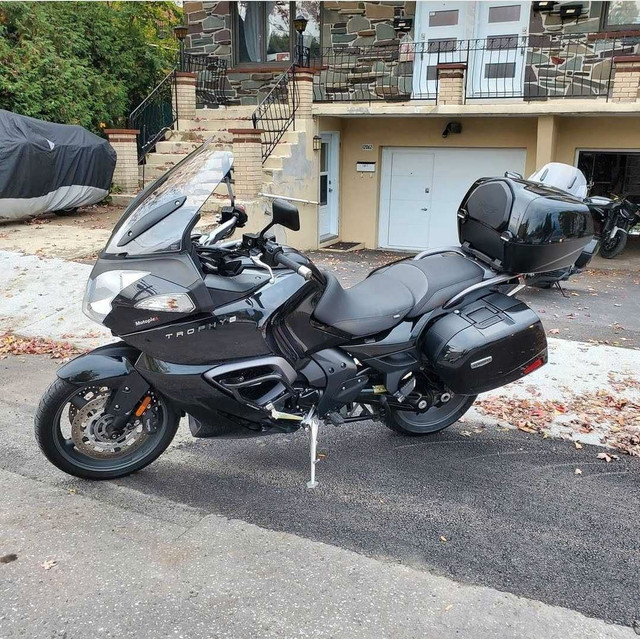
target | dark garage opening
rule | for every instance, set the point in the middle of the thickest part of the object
(612, 173)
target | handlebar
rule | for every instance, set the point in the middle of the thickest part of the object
(303, 271)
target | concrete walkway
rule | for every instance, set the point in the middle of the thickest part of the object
(85, 568)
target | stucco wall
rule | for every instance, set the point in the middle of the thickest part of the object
(359, 192)
(595, 133)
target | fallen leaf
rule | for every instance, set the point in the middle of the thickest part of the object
(465, 433)
(554, 331)
(577, 471)
(49, 564)
(578, 445)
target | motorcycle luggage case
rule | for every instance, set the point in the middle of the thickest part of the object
(523, 227)
(489, 343)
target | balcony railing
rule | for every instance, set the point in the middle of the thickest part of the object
(211, 80)
(497, 67)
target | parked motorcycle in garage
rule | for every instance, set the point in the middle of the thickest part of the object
(248, 337)
(617, 220)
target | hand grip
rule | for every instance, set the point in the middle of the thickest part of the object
(301, 270)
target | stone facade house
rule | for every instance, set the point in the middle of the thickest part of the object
(400, 106)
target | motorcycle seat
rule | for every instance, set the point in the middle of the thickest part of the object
(388, 295)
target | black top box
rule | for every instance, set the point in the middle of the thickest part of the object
(518, 226)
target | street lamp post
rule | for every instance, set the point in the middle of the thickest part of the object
(300, 24)
(180, 31)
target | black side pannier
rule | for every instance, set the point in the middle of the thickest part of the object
(489, 343)
(523, 227)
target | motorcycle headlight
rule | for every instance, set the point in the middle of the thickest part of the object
(103, 289)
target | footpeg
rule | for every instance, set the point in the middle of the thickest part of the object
(335, 418)
(402, 393)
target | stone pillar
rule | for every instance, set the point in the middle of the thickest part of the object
(546, 140)
(626, 79)
(124, 144)
(183, 95)
(451, 83)
(247, 162)
(304, 94)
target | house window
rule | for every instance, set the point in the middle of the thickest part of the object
(264, 31)
(496, 70)
(443, 18)
(621, 15)
(508, 13)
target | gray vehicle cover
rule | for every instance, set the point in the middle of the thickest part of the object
(50, 167)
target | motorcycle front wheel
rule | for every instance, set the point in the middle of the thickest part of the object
(74, 433)
(613, 246)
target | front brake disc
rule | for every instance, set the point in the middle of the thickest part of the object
(91, 434)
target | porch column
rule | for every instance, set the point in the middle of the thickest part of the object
(183, 96)
(125, 175)
(546, 140)
(247, 162)
(304, 95)
(626, 79)
(451, 83)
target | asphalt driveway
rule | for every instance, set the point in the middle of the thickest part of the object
(496, 508)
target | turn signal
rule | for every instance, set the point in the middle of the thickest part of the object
(167, 302)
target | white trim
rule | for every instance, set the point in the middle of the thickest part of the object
(333, 196)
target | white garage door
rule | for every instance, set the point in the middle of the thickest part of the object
(422, 188)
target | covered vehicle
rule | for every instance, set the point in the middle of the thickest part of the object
(50, 167)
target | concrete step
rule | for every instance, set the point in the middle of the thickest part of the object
(176, 146)
(230, 113)
(213, 125)
(274, 162)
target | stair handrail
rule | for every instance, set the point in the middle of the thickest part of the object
(277, 111)
(152, 132)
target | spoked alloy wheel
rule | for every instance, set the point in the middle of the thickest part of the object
(431, 421)
(76, 435)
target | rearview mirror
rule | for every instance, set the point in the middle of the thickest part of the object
(286, 214)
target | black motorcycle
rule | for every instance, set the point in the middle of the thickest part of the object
(248, 337)
(616, 218)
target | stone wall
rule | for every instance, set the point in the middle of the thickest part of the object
(344, 24)
(363, 57)
(560, 63)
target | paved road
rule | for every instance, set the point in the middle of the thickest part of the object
(515, 516)
(601, 305)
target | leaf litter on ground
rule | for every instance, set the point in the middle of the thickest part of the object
(608, 411)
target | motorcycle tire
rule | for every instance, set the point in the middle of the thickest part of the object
(77, 455)
(431, 421)
(611, 248)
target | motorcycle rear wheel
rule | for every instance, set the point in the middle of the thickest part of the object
(431, 421)
(612, 247)
(66, 409)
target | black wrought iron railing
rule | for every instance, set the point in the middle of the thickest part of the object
(497, 67)
(277, 112)
(155, 115)
(211, 81)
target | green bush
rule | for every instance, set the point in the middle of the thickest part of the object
(87, 63)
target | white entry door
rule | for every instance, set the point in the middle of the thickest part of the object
(440, 26)
(497, 59)
(328, 220)
(421, 190)
(405, 197)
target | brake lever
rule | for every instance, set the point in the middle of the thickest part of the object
(258, 262)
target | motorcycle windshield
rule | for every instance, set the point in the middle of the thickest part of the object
(564, 177)
(158, 219)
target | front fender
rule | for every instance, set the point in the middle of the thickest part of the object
(105, 362)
